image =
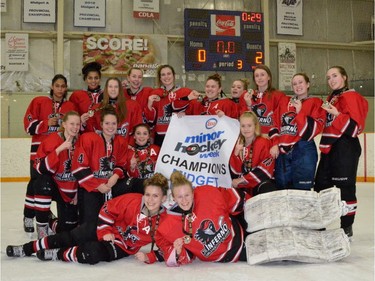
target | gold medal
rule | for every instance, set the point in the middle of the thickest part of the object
(294, 99)
(187, 239)
(189, 233)
(91, 113)
(326, 104)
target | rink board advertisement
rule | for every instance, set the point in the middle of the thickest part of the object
(118, 53)
(200, 148)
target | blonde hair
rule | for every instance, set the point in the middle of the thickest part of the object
(252, 116)
(245, 83)
(178, 179)
(66, 116)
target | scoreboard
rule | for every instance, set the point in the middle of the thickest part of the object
(217, 40)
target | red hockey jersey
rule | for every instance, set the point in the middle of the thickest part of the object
(207, 107)
(146, 159)
(59, 166)
(291, 127)
(257, 164)
(85, 100)
(95, 161)
(141, 96)
(263, 105)
(170, 102)
(215, 237)
(124, 217)
(353, 108)
(36, 119)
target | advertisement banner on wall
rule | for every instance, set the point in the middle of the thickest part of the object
(3, 6)
(89, 13)
(148, 9)
(118, 53)
(16, 52)
(200, 150)
(39, 11)
(287, 65)
(289, 17)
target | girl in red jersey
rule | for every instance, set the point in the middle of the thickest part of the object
(55, 180)
(129, 111)
(86, 99)
(298, 121)
(340, 148)
(99, 166)
(143, 155)
(251, 163)
(263, 101)
(212, 104)
(133, 88)
(166, 100)
(125, 224)
(201, 224)
(238, 88)
(42, 118)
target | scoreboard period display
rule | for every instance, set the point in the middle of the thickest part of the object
(218, 40)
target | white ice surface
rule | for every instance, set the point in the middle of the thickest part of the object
(358, 266)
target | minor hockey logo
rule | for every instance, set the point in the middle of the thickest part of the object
(210, 237)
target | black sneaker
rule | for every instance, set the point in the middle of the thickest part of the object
(15, 251)
(28, 225)
(47, 255)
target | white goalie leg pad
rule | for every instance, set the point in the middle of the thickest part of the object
(296, 244)
(290, 207)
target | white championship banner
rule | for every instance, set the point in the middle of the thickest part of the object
(199, 147)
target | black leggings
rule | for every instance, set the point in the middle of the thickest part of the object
(91, 202)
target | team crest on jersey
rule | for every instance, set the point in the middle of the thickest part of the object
(172, 96)
(107, 164)
(168, 111)
(128, 234)
(123, 130)
(286, 127)
(210, 237)
(260, 110)
(329, 120)
(66, 175)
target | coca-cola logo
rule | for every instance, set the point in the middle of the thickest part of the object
(225, 24)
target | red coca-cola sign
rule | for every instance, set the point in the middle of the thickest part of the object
(226, 25)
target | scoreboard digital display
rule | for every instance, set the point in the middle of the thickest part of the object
(217, 40)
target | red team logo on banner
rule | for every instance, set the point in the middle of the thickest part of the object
(225, 25)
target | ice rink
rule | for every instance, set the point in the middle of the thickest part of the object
(358, 266)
